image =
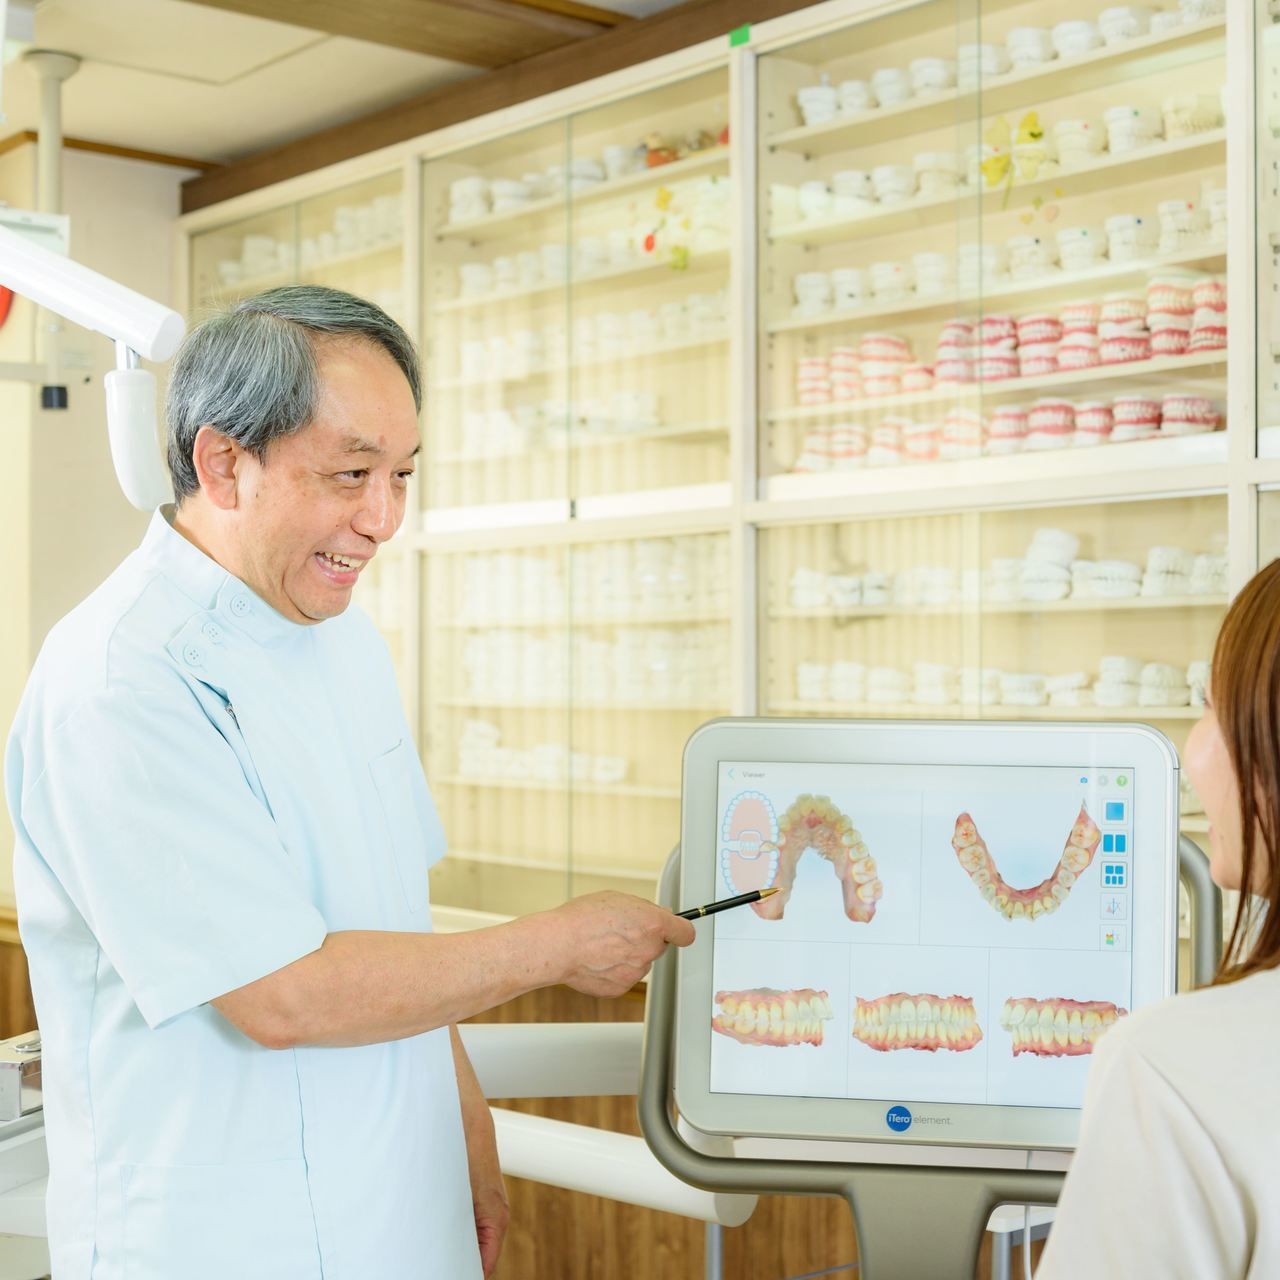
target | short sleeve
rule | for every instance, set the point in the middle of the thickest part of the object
(144, 815)
(1148, 1193)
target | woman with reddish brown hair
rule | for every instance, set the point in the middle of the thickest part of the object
(1178, 1168)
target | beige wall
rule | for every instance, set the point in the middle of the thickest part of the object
(64, 508)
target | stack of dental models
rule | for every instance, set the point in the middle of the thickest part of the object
(482, 757)
(1120, 683)
(696, 222)
(1051, 569)
(1133, 238)
(598, 337)
(632, 581)
(664, 665)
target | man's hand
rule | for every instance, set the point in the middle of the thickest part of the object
(488, 1193)
(608, 940)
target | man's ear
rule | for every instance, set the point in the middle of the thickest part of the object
(216, 458)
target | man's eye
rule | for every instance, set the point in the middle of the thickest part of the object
(352, 475)
(404, 475)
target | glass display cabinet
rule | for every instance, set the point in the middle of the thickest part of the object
(575, 304)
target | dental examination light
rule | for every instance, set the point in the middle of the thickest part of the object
(139, 327)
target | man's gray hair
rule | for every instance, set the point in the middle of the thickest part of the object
(251, 372)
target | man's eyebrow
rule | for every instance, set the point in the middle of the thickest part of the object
(358, 444)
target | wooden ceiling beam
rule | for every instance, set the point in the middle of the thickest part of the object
(480, 33)
(637, 42)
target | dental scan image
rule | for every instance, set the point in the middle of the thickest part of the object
(954, 934)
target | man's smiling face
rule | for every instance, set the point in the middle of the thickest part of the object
(314, 512)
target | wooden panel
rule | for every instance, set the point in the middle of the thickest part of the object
(565, 1235)
(17, 1013)
(522, 81)
(481, 33)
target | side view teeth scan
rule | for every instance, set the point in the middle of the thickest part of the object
(1057, 1028)
(766, 1016)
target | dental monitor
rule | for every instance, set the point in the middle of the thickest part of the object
(965, 910)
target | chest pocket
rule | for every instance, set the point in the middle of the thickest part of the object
(414, 830)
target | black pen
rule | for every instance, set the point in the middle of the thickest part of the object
(696, 913)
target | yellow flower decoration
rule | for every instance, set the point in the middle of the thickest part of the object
(663, 198)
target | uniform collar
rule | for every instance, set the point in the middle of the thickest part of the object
(212, 587)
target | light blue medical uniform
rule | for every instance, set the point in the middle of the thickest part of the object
(202, 790)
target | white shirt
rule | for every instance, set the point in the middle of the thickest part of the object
(201, 791)
(1178, 1169)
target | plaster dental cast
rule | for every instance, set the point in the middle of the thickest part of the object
(223, 836)
(1178, 1167)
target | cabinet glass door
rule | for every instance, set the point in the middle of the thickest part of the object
(649, 337)
(496, 261)
(497, 746)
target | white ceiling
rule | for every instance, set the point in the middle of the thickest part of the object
(164, 75)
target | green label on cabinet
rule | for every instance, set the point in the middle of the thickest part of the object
(740, 35)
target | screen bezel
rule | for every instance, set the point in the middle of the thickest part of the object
(1153, 927)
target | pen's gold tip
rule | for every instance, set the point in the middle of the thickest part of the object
(768, 893)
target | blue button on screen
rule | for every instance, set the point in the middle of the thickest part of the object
(1122, 842)
(1115, 810)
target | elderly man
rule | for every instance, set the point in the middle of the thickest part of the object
(223, 835)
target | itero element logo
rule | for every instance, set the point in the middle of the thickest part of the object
(898, 1119)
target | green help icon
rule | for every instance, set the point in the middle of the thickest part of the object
(1122, 780)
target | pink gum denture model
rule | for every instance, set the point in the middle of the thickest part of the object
(1050, 893)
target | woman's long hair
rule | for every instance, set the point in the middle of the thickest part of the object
(1245, 690)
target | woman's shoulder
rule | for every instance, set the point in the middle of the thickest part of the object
(1201, 1031)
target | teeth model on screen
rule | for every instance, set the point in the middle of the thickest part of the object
(778, 1019)
(1049, 894)
(1057, 1028)
(924, 1022)
(757, 851)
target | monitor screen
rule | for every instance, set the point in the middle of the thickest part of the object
(943, 933)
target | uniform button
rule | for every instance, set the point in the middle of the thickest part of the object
(240, 606)
(194, 655)
(213, 632)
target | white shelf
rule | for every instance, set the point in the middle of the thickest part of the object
(649, 351)
(559, 866)
(1071, 604)
(1182, 464)
(1054, 287)
(988, 711)
(495, 226)
(698, 264)
(567, 621)
(575, 705)
(628, 790)
(682, 433)
(1166, 160)
(1160, 370)
(1104, 67)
